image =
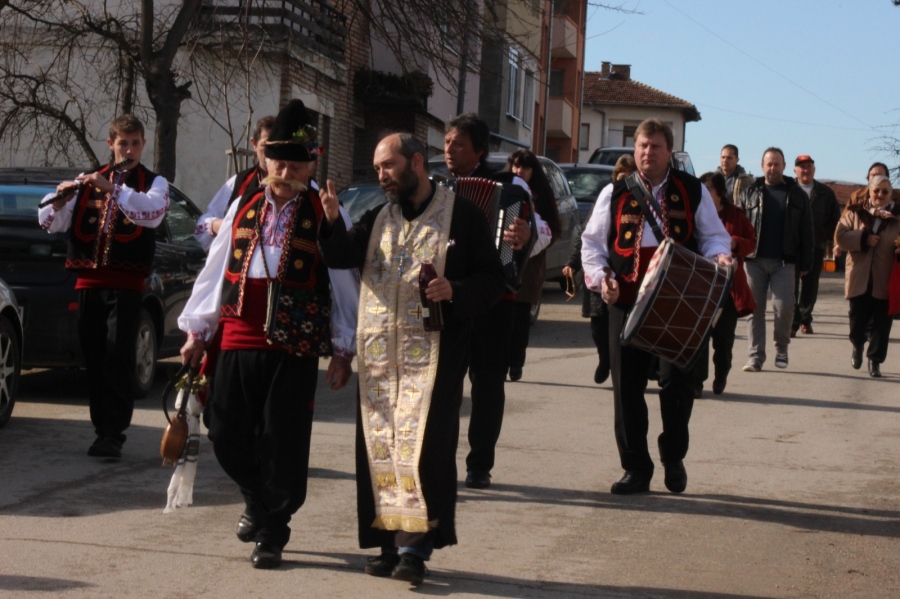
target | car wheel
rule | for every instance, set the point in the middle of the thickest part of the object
(10, 368)
(145, 354)
(535, 310)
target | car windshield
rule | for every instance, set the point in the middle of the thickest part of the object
(608, 156)
(586, 184)
(359, 199)
(22, 200)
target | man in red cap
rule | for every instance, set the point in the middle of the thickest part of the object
(273, 308)
(826, 212)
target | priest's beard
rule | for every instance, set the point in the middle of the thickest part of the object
(404, 187)
(292, 184)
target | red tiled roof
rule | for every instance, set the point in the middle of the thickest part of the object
(842, 190)
(627, 92)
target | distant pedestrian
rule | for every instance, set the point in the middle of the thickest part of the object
(593, 306)
(779, 212)
(736, 178)
(826, 212)
(740, 302)
(524, 164)
(867, 232)
(209, 222)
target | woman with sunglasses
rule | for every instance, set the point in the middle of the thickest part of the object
(868, 232)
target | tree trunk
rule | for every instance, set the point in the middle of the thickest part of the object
(166, 98)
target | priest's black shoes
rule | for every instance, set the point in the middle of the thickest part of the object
(265, 556)
(478, 480)
(631, 483)
(874, 370)
(856, 358)
(382, 565)
(246, 528)
(676, 476)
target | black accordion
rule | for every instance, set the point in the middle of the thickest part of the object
(502, 202)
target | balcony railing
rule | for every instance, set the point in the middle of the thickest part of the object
(318, 26)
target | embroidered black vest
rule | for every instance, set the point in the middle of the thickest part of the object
(128, 247)
(679, 206)
(303, 308)
(244, 181)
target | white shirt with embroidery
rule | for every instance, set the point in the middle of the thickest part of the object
(146, 209)
(200, 317)
(712, 238)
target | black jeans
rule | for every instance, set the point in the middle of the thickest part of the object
(487, 372)
(722, 338)
(630, 368)
(260, 426)
(869, 320)
(108, 321)
(521, 328)
(807, 290)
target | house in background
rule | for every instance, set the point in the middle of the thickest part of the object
(614, 105)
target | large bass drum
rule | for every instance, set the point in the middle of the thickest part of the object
(678, 304)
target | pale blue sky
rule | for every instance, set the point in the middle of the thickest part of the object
(813, 77)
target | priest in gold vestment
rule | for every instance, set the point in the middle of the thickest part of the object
(411, 380)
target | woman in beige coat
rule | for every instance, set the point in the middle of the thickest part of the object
(867, 232)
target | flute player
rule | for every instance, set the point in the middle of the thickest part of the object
(110, 214)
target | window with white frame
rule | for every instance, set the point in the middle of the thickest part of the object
(512, 96)
(528, 100)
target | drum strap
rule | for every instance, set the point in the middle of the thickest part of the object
(645, 199)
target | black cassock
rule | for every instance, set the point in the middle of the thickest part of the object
(473, 267)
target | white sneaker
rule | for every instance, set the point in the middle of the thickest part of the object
(752, 366)
(781, 360)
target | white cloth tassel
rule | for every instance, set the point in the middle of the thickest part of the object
(181, 487)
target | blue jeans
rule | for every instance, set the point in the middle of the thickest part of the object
(423, 551)
(764, 274)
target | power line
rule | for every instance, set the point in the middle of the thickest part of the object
(764, 65)
(771, 118)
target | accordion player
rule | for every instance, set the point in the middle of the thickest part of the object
(502, 201)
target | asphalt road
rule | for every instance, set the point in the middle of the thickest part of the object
(792, 492)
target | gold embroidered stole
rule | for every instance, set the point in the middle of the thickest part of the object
(398, 357)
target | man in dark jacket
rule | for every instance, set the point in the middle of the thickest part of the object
(826, 212)
(780, 213)
(736, 177)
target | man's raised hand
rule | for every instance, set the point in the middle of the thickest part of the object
(330, 202)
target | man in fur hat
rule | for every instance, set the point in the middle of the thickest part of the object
(273, 308)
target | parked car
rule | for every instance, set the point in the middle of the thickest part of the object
(586, 181)
(360, 197)
(680, 159)
(609, 155)
(11, 341)
(33, 263)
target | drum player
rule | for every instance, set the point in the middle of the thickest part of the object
(618, 245)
